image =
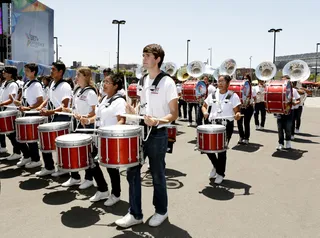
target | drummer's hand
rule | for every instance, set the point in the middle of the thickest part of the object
(130, 109)
(84, 121)
(77, 116)
(38, 108)
(237, 116)
(206, 115)
(149, 121)
(17, 103)
(66, 109)
(22, 109)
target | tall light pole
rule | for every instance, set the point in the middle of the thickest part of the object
(315, 78)
(275, 31)
(118, 23)
(188, 51)
(210, 55)
(57, 49)
(250, 67)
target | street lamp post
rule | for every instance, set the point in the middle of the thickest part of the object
(250, 68)
(188, 51)
(118, 23)
(57, 49)
(315, 78)
(210, 55)
(275, 31)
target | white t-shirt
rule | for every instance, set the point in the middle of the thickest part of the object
(179, 88)
(122, 92)
(62, 92)
(211, 89)
(32, 92)
(295, 96)
(222, 107)
(258, 92)
(10, 89)
(107, 116)
(83, 103)
(156, 103)
(20, 83)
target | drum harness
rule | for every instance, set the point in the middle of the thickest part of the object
(6, 84)
(226, 99)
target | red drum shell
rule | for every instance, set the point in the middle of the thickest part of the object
(193, 91)
(7, 119)
(278, 96)
(172, 133)
(27, 128)
(132, 91)
(74, 152)
(211, 138)
(238, 86)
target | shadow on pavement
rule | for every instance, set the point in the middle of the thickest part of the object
(306, 135)
(119, 209)
(192, 142)
(10, 173)
(268, 131)
(165, 230)
(59, 197)
(300, 140)
(251, 147)
(180, 133)
(222, 191)
(291, 154)
(80, 217)
(33, 184)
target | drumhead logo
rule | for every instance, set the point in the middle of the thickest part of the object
(33, 40)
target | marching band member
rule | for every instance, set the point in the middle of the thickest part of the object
(59, 97)
(9, 93)
(158, 98)
(85, 99)
(3, 148)
(284, 122)
(259, 104)
(210, 89)
(107, 113)
(190, 106)
(32, 97)
(182, 103)
(224, 104)
(247, 111)
(298, 110)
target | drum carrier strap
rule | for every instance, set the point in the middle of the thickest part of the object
(230, 93)
(25, 86)
(9, 82)
(50, 104)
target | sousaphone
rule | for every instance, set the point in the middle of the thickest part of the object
(297, 70)
(266, 71)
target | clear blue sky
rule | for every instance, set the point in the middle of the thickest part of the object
(234, 29)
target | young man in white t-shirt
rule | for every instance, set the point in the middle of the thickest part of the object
(284, 122)
(60, 94)
(32, 97)
(159, 101)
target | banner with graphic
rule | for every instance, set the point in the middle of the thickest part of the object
(32, 32)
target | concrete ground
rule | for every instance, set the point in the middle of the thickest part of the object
(265, 193)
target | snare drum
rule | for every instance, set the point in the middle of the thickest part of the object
(74, 151)
(119, 146)
(132, 91)
(49, 132)
(172, 133)
(211, 138)
(243, 89)
(193, 91)
(7, 119)
(27, 128)
(278, 96)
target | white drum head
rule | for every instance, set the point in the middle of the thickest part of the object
(211, 128)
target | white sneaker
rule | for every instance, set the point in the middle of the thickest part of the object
(99, 196)
(86, 184)
(218, 179)
(33, 164)
(257, 127)
(292, 137)
(58, 173)
(213, 173)
(3, 150)
(127, 221)
(157, 219)
(296, 131)
(261, 128)
(23, 162)
(279, 147)
(288, 144)
(44, 172)
(246, 142)
(189, 124)
(111, 200)
(71, 182)
(13, 157)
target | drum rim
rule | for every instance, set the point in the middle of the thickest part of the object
(201, 127)
(125, 130)
(87, 140)
(30, 120)
(8, 113)
(46, 128)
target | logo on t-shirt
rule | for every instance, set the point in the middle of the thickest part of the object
(155, 91)
(83, 97)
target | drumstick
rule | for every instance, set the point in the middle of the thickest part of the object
(9, 106)
(65, 113)
(217, 118)
(133, 116)
(31, 112)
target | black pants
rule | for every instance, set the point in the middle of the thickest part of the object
(183, 104)
(219, 163)
(284, 127)
(47, 157)
(18, 147)
(200, 116)
(296, 119)
(260, 107)
(245, 120)
(3, 141)
(190, 106)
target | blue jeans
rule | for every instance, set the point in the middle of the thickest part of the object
(155, 149)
